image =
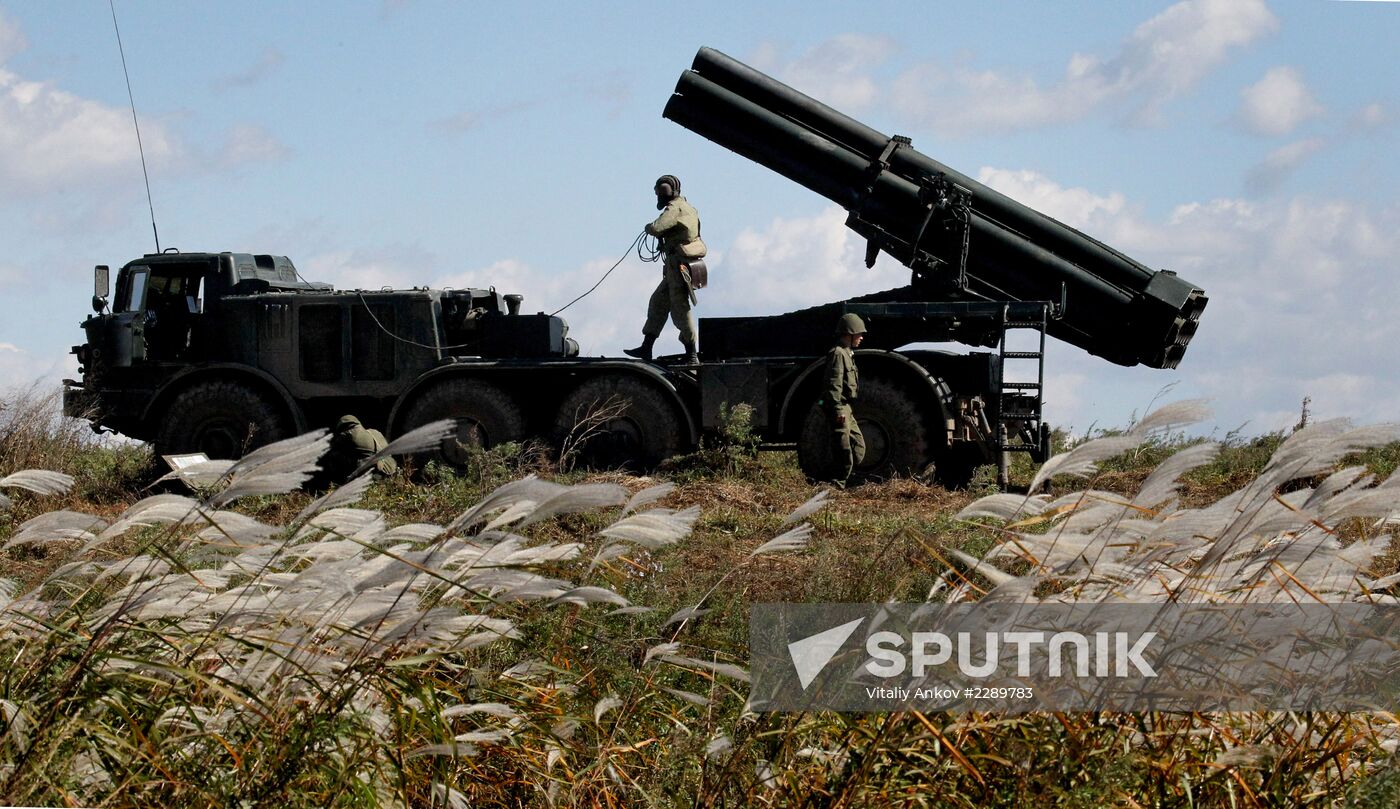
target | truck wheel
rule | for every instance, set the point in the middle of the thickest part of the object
(222, 419)
(617, 422)
(486, 417)
(954, 468)
(896, 435)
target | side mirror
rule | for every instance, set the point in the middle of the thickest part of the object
(101, 282)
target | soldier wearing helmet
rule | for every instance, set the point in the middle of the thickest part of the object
(678, 228)
(842, 380)
(352, 444)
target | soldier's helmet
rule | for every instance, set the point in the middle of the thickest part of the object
(850, 323)
(670, 180)
(346, 424)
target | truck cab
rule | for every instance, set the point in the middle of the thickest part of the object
(221, 352)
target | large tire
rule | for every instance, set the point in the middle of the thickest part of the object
(954, 468)
(896, 430)
(486, 417)
(644, 431)
(222, 419)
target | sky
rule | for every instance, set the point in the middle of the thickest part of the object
(1248, 145)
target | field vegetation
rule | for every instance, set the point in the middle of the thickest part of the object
(518, 635)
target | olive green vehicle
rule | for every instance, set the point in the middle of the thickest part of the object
(221, 352)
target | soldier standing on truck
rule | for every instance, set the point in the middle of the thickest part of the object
(678, 228)
(848, 448)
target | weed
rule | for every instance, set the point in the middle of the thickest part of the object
(512, 634)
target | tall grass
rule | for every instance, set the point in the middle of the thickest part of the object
(582, 644)
(35, 435)
(335, 660)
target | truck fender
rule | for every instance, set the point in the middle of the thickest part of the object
(908, 369)
(650, 372)
(667, 382)
(257, 377)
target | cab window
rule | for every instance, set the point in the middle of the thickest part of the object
(132, 295)
(172, 309)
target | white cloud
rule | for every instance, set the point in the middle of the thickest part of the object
(1277, 103)
(52, 141)
(21, 369)
(1372, 116)
(1064, 396)
(605, 322)
(1073, 206)
(267, 63)
(835, 71)
(1300, 289)
(50, 138)
(12, 40)
(795, 263)
(1163, 58)
(250, 143)
(397, 266)
(1269, 173)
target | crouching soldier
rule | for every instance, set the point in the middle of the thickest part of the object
(842, 380)
(351, 445)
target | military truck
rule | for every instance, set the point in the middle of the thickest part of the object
(221, 352)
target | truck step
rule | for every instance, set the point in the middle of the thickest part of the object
(1021, 355)
(1024, 324)
(1016, 447)
(1020, 385)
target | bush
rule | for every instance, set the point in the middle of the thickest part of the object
(729, 451)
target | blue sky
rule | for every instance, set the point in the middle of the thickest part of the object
(1251, 146)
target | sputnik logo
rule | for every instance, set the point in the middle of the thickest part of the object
(811, 654)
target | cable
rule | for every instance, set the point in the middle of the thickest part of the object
(649, 251)
(646, 252)
(139, 146)
(361, 295)
(637, 244)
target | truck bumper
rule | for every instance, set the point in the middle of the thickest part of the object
(78, 401)
(106, 410)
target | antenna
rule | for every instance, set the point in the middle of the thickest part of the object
(139, 147)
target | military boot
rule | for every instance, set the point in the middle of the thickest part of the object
(691, 358)
(643, 351)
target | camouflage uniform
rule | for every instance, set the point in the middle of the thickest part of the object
(841, 383)
(351, 445)
(677, 226)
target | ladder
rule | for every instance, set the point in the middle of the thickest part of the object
(1020, 403)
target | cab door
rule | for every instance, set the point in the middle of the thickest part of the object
(127, 337)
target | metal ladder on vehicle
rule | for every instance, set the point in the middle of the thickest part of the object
(1026, 315)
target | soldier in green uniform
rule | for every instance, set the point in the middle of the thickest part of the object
(351, 445)
(678, 228)
(848, 448)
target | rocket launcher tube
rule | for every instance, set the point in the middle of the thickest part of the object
(806, 111)
(841, 175)
(1118, 309)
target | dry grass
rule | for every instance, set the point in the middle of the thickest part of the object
(269, 650)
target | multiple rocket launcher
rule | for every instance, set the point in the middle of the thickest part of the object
(963, 240)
